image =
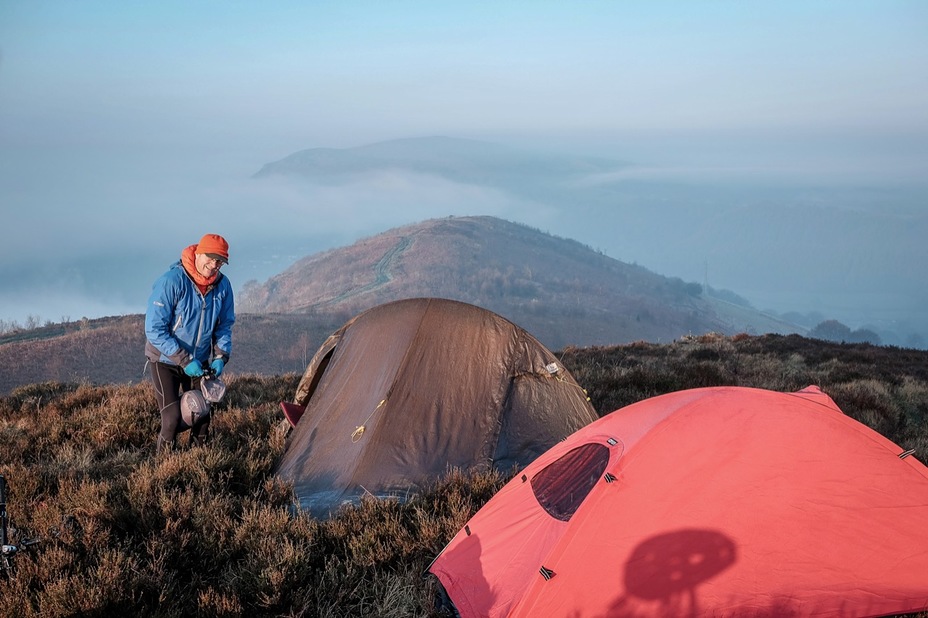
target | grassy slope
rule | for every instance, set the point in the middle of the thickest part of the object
(208, 531)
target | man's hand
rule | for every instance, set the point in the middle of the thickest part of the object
(217, 366)
(194, 369)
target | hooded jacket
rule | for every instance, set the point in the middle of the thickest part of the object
(182, 323)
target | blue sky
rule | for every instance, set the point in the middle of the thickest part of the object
(127, 127)
(345, 73)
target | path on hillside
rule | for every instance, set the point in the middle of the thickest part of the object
(382, 276)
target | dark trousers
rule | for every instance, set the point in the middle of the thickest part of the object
(170, 383)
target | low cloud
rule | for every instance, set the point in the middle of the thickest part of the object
(93, 245)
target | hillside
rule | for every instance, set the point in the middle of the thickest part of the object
(210, 531)
(454, 159)
(111, 350)
(848, 251)
(561, 291)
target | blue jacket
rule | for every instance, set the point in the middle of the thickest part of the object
(182, 324)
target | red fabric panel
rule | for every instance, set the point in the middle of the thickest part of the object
(727, 501)
(292, 412)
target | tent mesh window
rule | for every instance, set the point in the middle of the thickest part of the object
(561, 486)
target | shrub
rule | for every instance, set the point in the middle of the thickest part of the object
(211, 531)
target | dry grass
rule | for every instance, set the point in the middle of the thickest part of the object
(201, 531)
(209, 531)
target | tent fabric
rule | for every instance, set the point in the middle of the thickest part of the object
(410, 389)
(725, 501)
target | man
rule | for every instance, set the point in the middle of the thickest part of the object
(188, 325)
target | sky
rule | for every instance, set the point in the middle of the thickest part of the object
(129, 129)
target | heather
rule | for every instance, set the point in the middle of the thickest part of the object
(210, 531)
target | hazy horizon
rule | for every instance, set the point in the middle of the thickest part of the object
(127, 131)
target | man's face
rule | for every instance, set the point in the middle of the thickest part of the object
(207, 266)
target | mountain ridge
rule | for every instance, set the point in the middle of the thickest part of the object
(454, 159)
(795, 245)
(560, 290)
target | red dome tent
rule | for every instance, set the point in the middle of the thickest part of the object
(717, 501)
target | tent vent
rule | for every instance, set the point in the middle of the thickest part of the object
(905, 454)
(524, 478)
(609, 477)
(562, 485)
(546, 573)
(467, 530)
(612, 441)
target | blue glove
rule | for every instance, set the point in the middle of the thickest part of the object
(217, 366)
(194, 369)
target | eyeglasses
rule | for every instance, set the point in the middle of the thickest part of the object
(216, 262)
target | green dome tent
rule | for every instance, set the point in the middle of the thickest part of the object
(722, 501)
(407, 390)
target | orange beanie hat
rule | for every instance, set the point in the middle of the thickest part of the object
(215, 246)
